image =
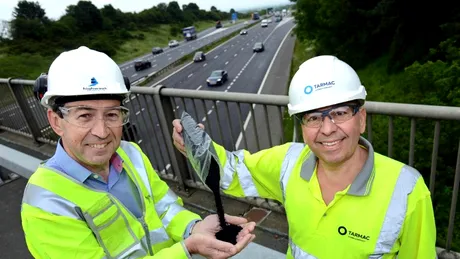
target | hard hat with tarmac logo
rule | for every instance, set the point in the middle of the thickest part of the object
(81, 74)
(323, 81)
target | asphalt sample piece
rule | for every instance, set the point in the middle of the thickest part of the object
(228, 232)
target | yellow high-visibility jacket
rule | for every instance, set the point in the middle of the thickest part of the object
(386, 212)
(63, 218)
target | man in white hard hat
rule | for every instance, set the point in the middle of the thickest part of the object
(98, 196)
(342, 199)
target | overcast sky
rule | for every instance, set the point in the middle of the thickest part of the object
(56, 8)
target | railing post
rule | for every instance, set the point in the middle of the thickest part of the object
(22, 100)
(166, 116)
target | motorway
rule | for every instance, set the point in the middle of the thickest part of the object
(246, 72)
(10, 115)
(170, 55)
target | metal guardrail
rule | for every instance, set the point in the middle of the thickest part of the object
(223, 114)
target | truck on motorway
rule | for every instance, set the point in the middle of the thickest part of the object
(255, 16)
(189, 33)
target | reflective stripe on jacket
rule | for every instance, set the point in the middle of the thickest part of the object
(63, 218)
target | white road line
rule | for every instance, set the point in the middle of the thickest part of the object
(190, 75)
(226, 63)
(216, 57)
(169, 58)
(209, 112)
(140, 141)
(205, 64)
(199, 87)
(134, 75)
(154, 65)
(204, 119)
(240, 137)
(138, 112)
(236, 54)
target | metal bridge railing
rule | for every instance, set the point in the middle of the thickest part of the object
(423, 136)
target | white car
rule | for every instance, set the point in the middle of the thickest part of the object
(173, 43)
(264, 23)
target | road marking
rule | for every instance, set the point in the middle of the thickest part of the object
(140, 141)
(204, 119)
(199, 87)
(205, 64)
(225, 50)
(226, 63)
(190, 75)
(209, 112)
(235, 54)
(240, 137)
(134, 75)
(138, 112)
(133, 97)
(215, 57)
(242, 48)
(154, 65)
(169, 58)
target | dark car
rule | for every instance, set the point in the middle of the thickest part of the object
(218, 24)
(199, 56)
(142, 64)
(157, 50)
(217, 77)
(258, 47)
(243, 32)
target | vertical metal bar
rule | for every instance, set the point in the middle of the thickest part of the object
(295, 134)
(281, 124)
(196, 113)
(218, 123)
(22, 101)
(434, 155)
(412, 142)
(206, 116)
(390, 136)
(150, 118)
(453, 205)
(268, 126)
(230, 126)
(243, 134)
(165, 116)
(254, 125)
(369, 128)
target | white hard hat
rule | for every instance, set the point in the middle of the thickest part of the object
(323, 81)
(83, 72)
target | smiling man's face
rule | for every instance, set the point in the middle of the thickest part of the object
(93, 146)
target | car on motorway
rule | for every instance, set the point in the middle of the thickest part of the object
(258, 47)
(173, 43)
(264, 23)
(199, 56)
(243, 32)
(217, 77)
(156, 50)
(142, 64)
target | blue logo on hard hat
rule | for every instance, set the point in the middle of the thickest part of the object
(93, 82)
(308, 89)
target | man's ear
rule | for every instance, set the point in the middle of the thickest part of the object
(362, 120)
(55, 122)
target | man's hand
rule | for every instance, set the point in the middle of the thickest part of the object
(203, 240)
(178, 140)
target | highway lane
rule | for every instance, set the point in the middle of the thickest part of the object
(245, 75)
(170, 55)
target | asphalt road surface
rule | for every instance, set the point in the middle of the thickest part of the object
(246, 71)
(169, 55)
